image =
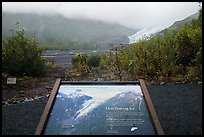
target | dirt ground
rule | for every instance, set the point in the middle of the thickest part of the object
(31, 89)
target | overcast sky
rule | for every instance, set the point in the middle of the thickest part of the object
(130, 14)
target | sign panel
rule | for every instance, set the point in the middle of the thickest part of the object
(113, 109)
(11, 80)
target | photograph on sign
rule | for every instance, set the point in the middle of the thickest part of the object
(99, 110)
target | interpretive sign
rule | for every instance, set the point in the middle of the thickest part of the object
(99, 108)
(11, 80)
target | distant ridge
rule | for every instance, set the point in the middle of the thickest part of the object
(58, 30)
(181, 22)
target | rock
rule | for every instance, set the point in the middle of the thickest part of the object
(48, 87)
(47, 95)
(178, 82)
(162, 83)
(14, 102)
(21, 100)
(153, 82)
(26, 99)
(36, 97)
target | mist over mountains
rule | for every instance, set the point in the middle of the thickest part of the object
(158, 30)
(70, 33)
(180, 23)
(59, 31)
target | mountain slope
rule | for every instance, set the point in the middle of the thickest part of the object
(58, 30)
(180, 23)
(158, 31)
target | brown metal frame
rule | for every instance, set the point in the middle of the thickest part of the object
(46, 111)
(150, 107)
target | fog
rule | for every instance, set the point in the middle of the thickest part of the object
(130, 14)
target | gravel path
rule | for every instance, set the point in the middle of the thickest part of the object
(178, 106)
(22, 118)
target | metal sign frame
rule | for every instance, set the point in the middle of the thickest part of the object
(152, 113)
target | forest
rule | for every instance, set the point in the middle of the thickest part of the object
(173, 55)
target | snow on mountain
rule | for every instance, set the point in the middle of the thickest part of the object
(146, 32)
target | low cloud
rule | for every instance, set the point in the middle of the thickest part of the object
(130, 14)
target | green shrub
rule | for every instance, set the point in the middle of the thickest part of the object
(94, 61)
(193, 73)
(79, 60)
(21, 56)
(176, 55)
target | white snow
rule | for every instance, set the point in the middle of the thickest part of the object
(146, 32)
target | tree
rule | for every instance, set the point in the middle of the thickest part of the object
(21, 56)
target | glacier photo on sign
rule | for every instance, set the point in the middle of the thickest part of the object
(99, 110)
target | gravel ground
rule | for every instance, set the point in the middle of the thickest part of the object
(178, 106)
(22, 118)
